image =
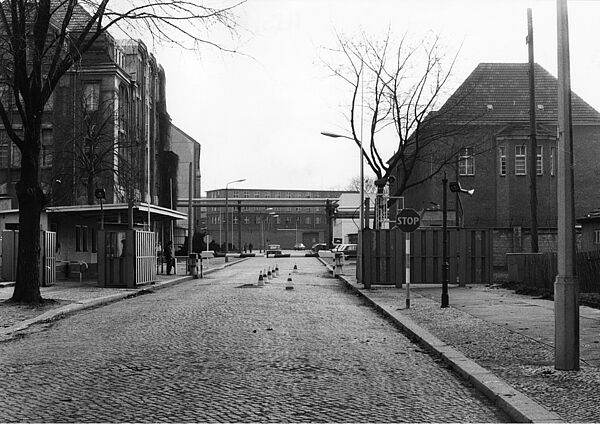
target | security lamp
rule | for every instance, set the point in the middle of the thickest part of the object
(456, 188)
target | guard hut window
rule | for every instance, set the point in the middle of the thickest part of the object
(596, 236)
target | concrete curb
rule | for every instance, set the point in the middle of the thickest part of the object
(74, 307)
(514, 403)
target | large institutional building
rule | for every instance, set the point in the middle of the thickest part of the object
(264, 224)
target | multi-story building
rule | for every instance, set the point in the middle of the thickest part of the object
(188, 152)
(264, 224)
(104, 127)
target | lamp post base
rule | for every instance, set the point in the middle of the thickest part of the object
(566, 323)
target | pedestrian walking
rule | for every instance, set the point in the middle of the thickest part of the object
(169, 256)
(250, 247)
(245, 247)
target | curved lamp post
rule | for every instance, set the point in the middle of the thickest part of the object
(226, 210)
(359, 273)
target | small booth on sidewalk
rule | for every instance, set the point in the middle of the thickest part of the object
(115, 240)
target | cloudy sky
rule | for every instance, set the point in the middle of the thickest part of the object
(258, 115)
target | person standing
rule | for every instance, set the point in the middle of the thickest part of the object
(169, 256)
(250, 247)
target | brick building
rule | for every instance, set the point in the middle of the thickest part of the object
(491, 108)
(291, 225)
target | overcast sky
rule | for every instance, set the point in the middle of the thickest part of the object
(259, 115)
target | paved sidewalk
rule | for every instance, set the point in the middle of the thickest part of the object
(72, 296)
(503, 343)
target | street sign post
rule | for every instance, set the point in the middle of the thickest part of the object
(408, 220)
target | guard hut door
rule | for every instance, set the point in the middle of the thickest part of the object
(113, 272)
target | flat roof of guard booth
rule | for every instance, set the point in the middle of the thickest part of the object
(118, 212)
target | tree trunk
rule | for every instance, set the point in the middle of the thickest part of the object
(90, 189)
(31, 203)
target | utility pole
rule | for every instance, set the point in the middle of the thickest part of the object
(532, 139)
(566, 286)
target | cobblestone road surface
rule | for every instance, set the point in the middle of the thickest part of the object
(214, 350)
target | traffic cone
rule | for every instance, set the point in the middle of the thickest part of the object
(295, 268)
(276, 271)
(260, 280)
(289, 285)
(269, 274)
(265, 276)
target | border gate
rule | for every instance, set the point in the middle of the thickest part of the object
(469, 256)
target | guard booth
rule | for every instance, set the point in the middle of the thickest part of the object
(126, 258)
(469, 256)
(10, 249)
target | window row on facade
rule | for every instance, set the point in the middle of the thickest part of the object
(307, 220)
(466, 161)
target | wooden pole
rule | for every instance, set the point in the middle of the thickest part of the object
(532, 139)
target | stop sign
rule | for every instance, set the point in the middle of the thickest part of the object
(408, 220)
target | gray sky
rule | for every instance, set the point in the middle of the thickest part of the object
(259, 115)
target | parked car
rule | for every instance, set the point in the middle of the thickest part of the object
(318, 246)
(299, 246)
(273, 249)
(348, 250)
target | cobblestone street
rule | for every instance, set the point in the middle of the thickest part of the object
(219, 350)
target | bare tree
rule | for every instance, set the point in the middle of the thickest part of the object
(396, 90)
(39, 42)
(369, 185)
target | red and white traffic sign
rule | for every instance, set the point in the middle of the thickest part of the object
(408, 220)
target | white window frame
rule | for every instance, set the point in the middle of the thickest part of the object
(466, 162)
(502, 160)
(539, 162)
(520, 159)
(596, 236)
(552, 161)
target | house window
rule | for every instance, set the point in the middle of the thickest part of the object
(552, 160)
(466, 162)
(246, 220)
(520, 160)
(277, 220)
(317, 220)
(3, 149)
(15, 156)
(257, 220)
(257, 194)
(236, 194)
(246, 195)
(307, 220)
(47, 151)
(502, 153)
(539, 161)
(235, 220)
(91, 92)
(596, 236)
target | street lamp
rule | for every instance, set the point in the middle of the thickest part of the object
(359, 267)
(455, 187)
(226, 209)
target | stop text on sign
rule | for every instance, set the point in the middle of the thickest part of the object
(408, 220)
